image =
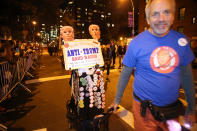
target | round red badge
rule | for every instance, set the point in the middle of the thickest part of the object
(164, 59)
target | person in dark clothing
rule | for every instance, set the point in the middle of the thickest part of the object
(120, 55)
(108, 59)
(113, 52)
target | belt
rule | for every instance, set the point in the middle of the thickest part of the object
(144, 105)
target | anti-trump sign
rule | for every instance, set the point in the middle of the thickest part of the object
(82, 53)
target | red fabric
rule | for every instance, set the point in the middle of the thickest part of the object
(147, 123)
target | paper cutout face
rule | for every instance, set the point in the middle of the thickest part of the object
(94, 31)
(67, 33)
(164, 58)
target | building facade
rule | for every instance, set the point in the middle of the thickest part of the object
(80, 14)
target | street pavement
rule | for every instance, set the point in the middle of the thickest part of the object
(44, 109)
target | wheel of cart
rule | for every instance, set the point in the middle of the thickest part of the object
(97, 123)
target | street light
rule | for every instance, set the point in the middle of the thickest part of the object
(38, 34)
(34, 24)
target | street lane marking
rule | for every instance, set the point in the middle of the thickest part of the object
(43, 129)
(55, 78)
(126, 116)
(47, 79)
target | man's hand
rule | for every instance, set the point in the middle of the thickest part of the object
(190, 118)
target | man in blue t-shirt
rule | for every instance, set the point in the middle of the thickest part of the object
(161, 58)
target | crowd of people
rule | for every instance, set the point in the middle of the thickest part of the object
(11, 50)
(16, 58)
(110, 52)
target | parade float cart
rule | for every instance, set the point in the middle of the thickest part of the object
(85, 109)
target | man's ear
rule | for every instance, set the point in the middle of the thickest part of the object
(147, 20)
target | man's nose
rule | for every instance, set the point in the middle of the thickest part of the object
(161, 17)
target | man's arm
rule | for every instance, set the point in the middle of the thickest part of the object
(122, 83)
(188, 87)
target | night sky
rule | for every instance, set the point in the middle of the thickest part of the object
(44, 11)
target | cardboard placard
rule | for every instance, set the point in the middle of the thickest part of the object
(82, 53)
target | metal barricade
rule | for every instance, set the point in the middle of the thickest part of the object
(21, 69)
(8, 80)
(29, 65)
(12, 75)
(3, 128)
(7, 77)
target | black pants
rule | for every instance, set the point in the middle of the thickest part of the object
(114, 58)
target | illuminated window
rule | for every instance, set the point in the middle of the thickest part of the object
(78, 16)
(193, 20)
(180, 29)
(108, 24)
(70, 3)
(181, 13)
(108, 13)
(94, 11)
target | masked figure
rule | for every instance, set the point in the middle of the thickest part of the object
(67, 33)
(94, 31)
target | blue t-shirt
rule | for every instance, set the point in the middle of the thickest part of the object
(157, 62)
